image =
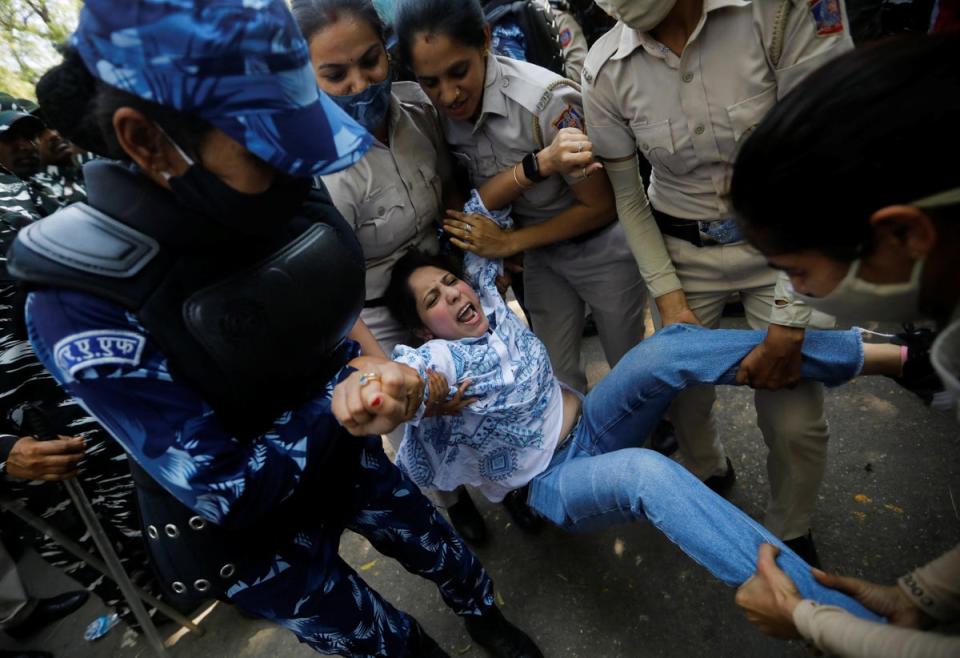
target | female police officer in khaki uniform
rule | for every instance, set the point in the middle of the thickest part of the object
(499, 116)
(683, 81)
(394, 196)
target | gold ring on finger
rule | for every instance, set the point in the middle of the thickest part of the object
(368, 377)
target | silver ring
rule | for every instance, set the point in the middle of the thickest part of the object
(368, 377)
(579, 147)
(202, 585)
(172, 531)
(227, 571)
(468, 228)
(197, 523)
(152, 532)
(584, 172)
(178, 587)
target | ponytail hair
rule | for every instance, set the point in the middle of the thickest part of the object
(80, 107)
(312, 16)
(462, 21)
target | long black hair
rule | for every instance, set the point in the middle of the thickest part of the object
(312, 16)
(461, 20)
(399, 297)
(81, 108)
(875, 127)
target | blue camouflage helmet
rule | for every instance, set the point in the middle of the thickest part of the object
(241, 65)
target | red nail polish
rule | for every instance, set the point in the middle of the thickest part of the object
(377, 401)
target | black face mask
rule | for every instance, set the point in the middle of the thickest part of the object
(203, 192)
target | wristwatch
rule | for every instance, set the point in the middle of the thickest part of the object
(531, 168)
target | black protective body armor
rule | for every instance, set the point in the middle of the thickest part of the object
(254, 323)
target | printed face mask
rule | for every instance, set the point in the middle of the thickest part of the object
(369, 107)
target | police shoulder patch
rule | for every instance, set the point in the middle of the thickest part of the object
(828, 16)
(98, 347)
(566, 36)
(571, 117)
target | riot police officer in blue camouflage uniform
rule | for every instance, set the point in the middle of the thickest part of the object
(199, 308)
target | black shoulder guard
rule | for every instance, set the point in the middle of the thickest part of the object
(81, 248)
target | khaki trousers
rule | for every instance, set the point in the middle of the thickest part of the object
(791, 420)
(560, 279)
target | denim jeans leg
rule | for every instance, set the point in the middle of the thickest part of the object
(582, 493)
(601, 478)
(623, 408)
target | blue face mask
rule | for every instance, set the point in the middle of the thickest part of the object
(387, 10)
(369, 107)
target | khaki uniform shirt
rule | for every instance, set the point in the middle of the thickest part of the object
(689, 114)
(572, 42)
(393, 197)
(524, 107)
(934, 588)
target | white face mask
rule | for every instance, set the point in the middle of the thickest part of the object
(641, 15)
(858, 300)
(855, 299)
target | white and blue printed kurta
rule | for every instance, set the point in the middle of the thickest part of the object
(505, 438)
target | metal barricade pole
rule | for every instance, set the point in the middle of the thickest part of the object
(18, 509)
(103, 545)
(36, 422)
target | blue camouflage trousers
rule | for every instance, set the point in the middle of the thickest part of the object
(308, 588)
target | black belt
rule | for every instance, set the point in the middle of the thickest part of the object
(683, 229)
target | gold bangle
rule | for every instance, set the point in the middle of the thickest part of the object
(517, 180)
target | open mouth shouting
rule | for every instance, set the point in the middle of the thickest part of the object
(469, 314)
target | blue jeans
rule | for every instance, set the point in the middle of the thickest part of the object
(601, 476)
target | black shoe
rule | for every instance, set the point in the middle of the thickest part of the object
(502, 639)
(466, 519)
(421, 645)
(521, 513)
(26, 653)
(721, 484)
(48, 611)
(805, 548)
(663, 438)
(918, 376)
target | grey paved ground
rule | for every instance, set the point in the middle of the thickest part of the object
(890, 501)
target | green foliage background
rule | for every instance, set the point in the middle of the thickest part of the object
(30, 31)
